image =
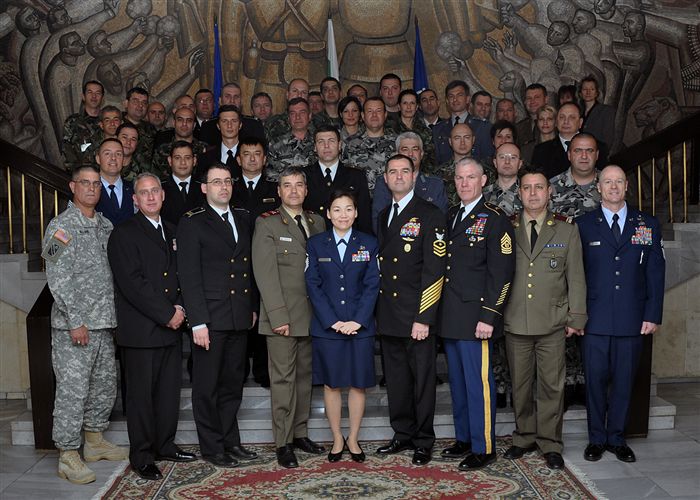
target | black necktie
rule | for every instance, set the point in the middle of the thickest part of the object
(225, 217)
(533, 234)
(568, 144)
(431, 125)
(183, 190)
(458, 219)
(251, 188)
(616, 229)
(329, 179)
(159, 228)
(113, 196)
(230, 160)
(456, 120)
(396, 213)
(301, 227)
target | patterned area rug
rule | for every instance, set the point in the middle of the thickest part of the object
(392, 477)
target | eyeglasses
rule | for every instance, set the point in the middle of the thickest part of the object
(508, 157)
(221, 182)
(89, 184)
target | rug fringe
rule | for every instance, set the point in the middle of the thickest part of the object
(110, 481)
(588, 483)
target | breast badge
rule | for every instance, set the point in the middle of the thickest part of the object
(506, 244)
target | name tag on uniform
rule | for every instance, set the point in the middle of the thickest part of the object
(361, 256)
(285, 238)
(594, 243)
(268, 200)
(555, 245)
(324, 259)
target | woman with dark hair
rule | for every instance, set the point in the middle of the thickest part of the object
(350, 112)
(342, 281)
(598, 118)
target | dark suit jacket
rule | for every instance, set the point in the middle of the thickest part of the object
(412, 263)
(215, 272)
(480, 267)
(146, 288)
(550, 156)
(342, 291)
(174, 206)
(441, 139)
(213, 155)
(250, 127)
(347, 178)
(117, 215)
(264, 199)
(625, 282)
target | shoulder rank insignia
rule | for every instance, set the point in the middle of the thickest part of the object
(194, 211)
(439, 245)
(492, 207)
(565, 218)
(515, 219)
(269, 213)
(240, 209)
(506, 244)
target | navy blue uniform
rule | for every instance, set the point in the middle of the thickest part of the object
(117, 213)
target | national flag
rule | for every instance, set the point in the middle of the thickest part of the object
(420, 74)
(218, 71)
(332, 56)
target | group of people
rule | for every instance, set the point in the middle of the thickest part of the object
(300, 237)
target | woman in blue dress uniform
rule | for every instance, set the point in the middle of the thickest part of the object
(342, 280)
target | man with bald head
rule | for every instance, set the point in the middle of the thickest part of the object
(183, 130)
(625, 267)
(461, 142)
(278, 125)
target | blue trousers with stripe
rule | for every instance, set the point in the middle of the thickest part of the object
(473, 392)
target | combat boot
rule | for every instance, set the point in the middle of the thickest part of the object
(72, 468)
(98, 448)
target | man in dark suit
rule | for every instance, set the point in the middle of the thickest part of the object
(329, 174)
(216, 279)
(116, 202)
(480, 266)
(412, 252)
(229, 125)
(535, 98)
(625, 267)
(458, 99)
(250, 127)
(149, 315)
(182, 192)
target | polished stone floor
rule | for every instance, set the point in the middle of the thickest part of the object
(668, 461)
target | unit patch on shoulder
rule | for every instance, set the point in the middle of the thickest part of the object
(56, 246)
(506, 244)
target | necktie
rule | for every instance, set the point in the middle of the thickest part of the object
(567, 144)
(183, 190)
(456, 120)
(431, 125)
(230, 160)
(341, 249)
(301, 227)
(328, 178)
(533, 234)
(251, 188)
(396, 213)
(160, 231)
(225, 217)
(113, 195)
(616, 229)
(458, 219)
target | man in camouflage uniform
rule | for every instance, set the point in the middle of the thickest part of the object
(82, 319)
(295, 148)
(136, 105)
(134, 162)
(574, 193)
(504, 191)
(109, 121)
(80, 129)
(330, 91)
(155, 114)
(278, 125)
(370, 150)
(461, 142)
(184, 131)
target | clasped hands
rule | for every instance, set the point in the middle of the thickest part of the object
(346, 327)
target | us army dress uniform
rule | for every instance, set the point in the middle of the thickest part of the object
(548, 294)
(80, 280)
(412, 266)
(480, 265)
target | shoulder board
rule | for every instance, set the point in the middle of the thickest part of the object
(194, 211)
(565, 218)
(493, 208)
(270, 213)
(515, 216)
(240, 209)
(310, 212)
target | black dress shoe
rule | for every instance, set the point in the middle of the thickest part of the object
(501, 400)
(438, 380)
(623, 453)
(457, 450)
(305, 444)
(554, 460)
(357, 457)
(395, 446)
(241, 453)
(221, 460)
(421, 456)
(382, 382)
(263, 382)
(286, 457)
(515, 452)
(477, 461)
(178, 456)
(149, 472)
(594, 452)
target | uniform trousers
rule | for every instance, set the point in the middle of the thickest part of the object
(473, 392)
(410, 387)
(289, 363)
(86, 385)
(217, 389)
(541, 358)
(153, 393)
(610, 364)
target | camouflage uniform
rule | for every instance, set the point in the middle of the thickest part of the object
(370, 154)
(137, 166)
(80, 131)
(446, 172)
(159, 165)
(80, 280)
(346, 137)
(507, 200)
(324, 118)
(288, 151)
(147, 136)
(568, 198)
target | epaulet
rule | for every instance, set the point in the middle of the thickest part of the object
(493, 208)
(194, 211)
(310, 212)
(565, 218)
(240, 209)
(515, 219)
(269, 213)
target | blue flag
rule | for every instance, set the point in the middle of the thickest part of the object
(420, 75)
(218, 72)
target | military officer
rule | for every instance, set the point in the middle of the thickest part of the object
(136, 106)
(547, 303)
(411, 233)
(625, 267)
(215, 273)
(182, 192)
(296, 148)
(82, 322)
(480, 265)
(279, 259)
(81, 129)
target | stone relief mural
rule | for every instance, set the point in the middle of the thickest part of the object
(644, 53)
